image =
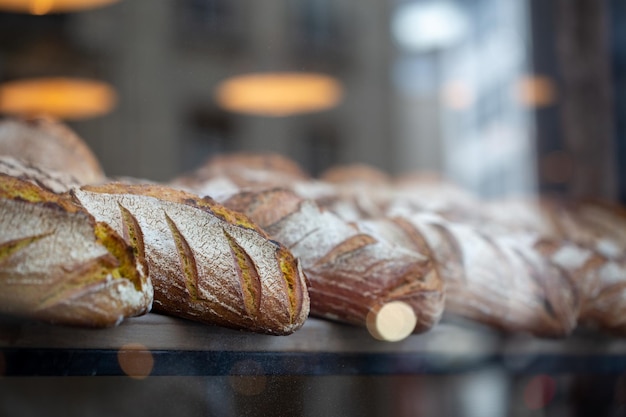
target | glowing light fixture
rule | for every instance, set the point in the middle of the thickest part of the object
(279, 94)
(41, 7)
(428, 25)
(536, 91)
(64, 98)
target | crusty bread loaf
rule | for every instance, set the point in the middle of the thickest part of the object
(50, 145)
(591, 245)
(229, 173)
(351, 272)
(58, 264)
(55, 182)
(504, 281)
(207, 263)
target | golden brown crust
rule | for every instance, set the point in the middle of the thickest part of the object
(351, 272)
(59, 265)
(208, 263)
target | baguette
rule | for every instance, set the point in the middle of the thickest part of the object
(59, 265)
(592, 248)
(352, 274)
(504, 281)
(207, 263)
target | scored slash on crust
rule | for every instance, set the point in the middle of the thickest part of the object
(133, 235)
(12, 246)
(187, 260)
(248, 276)
(349, 245)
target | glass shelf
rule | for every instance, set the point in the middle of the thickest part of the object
(176, 347)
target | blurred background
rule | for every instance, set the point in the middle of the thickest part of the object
(502, 97)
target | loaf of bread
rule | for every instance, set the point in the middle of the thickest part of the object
(352, 274)
(54, 182)
(503, 281)
(50, 145)
(207, 263)
(59, 265)
(591, 238)
(225, 175)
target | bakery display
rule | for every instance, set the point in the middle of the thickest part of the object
(253, 242)
(198, 259)
(543, 272)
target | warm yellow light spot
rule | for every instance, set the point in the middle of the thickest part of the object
(279, 94)
(457, 95)
(135, 360)
(41, 7)
(64, 98)
(536, 91)
(392, 321)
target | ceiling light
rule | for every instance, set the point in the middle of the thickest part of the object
(64, 98)
(41, 7)
(279, 94)
(429, 25)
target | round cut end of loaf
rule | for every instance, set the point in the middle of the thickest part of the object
(392, 321)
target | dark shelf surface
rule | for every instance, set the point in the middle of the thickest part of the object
(176, 347)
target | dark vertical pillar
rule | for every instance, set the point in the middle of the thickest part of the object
(617, 28)
(586, 99)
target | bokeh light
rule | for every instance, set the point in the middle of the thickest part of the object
(536, 91)
(539, 392)
(136, 360)
(279, 94)
(64, 98)
(41, 7)
(457, 95)
(392, 321)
